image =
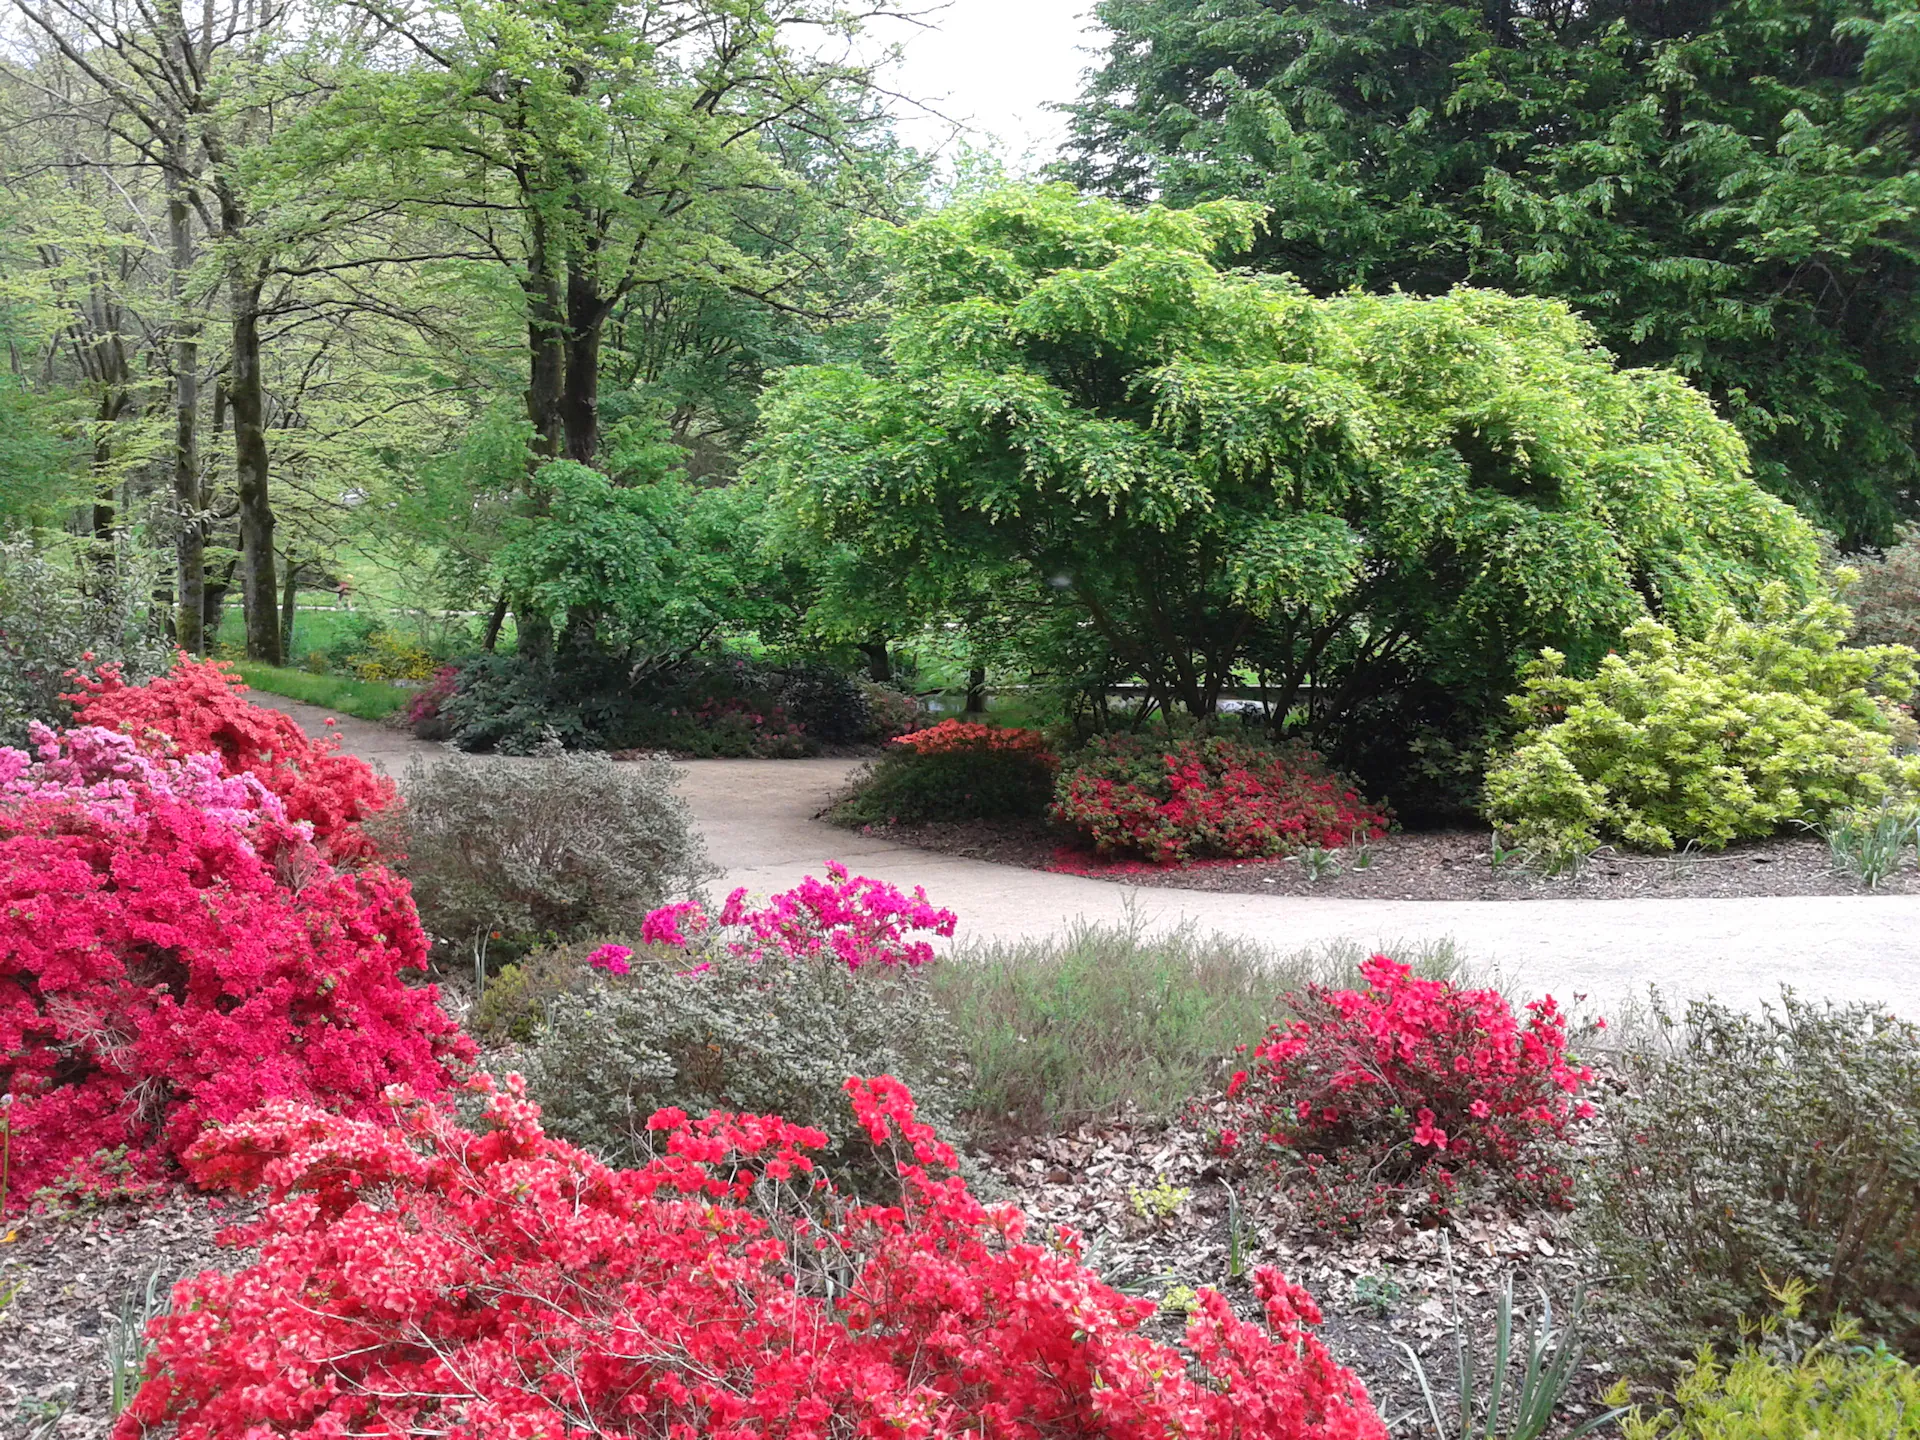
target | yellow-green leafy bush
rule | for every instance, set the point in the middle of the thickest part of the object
(1837, 1390)
(1752, 726)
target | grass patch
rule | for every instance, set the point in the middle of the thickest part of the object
(1110, 1020)
(367, 699)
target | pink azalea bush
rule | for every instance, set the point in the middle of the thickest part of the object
(175, 950)
(851, 918)
(1393, 1094)
(414, 1278)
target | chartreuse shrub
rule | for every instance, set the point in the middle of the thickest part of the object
(956, 770)
(175, 950)
(1407, 1094)
(418, 1278)
(1782, 1146)
(1774, 1389)
(766, 1009)
(503, 855)
(1752, 726)
(1168, 799)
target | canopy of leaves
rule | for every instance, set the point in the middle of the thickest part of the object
(1727, 188)
(1221, 476)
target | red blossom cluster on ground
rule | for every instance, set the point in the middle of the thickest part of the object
(1406, 1087)
(415, 1278)
(175, 949)
(1173, 801)
(199, 707)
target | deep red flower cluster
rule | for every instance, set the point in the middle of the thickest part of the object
(849, 918)
(198, 708)
(419, 1279)
(175, 950)
(1415, 1084)
(950, 736)
(1169, 801)
(441, 687)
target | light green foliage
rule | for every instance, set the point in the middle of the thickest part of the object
(1757, 1150)
(1727, 189)
(573, 845)
(1159, 1202)
(771, 1035)
(1836, 1390)
(1112, 1020)
(1205, 473)
(1729, 736)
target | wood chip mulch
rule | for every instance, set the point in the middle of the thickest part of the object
(1425, 865)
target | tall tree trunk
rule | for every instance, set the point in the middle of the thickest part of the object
(546, 347)
(976, 690)
(190, 539)
(879, 661)
(494, 622)
(580, 393)
(246, 393)
(214, 601)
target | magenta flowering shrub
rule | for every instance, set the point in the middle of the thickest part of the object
(853, 919)
(1392, 1095)
(175, 950)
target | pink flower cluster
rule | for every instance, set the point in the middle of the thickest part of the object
(415, 1278)
(1412, 1080)
(174, 951)
(851, 918)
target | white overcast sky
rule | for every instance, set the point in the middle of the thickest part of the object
(994, 65)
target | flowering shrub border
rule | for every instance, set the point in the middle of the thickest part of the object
(954, 735)
(1175, 800)
(174, 951)
(1395, 1093)
(420, 1278)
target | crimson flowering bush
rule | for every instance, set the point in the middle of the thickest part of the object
(175, 950)
(1170, 801)
(849, 918)
(1395, 1093)
(950, 736)
(419, 1279)
(198, 707)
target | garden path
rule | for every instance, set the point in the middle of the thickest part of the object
(757, 816)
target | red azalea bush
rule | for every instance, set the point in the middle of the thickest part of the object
(1170, 801)
(1392, 1095)
(420, 1279)
(174, 950)
(956, 770)
(199, 708)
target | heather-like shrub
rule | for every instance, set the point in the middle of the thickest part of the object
(890, 712)
(571, 846)
(1778, 1146)
(422, 1279)
(198, 707)
(1734, 735)
(48, 626)
(956, 770)
(174, 950)
(1168, 800)
(1396, 1094)
(763, 1031)
(1884, 594)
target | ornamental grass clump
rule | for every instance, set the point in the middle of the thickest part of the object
(1756, 725)
(175, 950)
(1171, 800)
(419, 1278)
(956, 770)
(1408, 1095)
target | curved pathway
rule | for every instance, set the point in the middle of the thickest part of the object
(757, 819)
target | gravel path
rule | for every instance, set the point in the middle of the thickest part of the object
(757, 818)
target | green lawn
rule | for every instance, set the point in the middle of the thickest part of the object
(367, 699)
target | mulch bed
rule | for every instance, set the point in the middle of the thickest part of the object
(1424, 865)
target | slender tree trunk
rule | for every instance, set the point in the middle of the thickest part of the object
(546, 347)
(879, 661)
(215, 601)
(976, 690)
(494, 621)
(247, 395)
(289, 595)
(190, 540)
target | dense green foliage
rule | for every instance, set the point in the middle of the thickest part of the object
(1755, 1149)
(1168, 470)
(1728, 737)
(1726, 188)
